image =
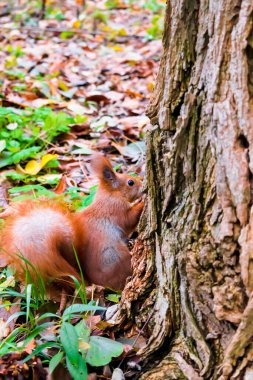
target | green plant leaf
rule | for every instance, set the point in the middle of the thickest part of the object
(102, 350)
(113, 297)
(2, 145)
(40, 348)
(55, 360)
(17, 157)
(82, 331)
(14, 316)
(25, 189)
(11, 293)
(65, 35)
(80, 371)
(47, 315)
(9, 339)
(28, 300)
(36, 332)
(69, 340)
(86, 201)
(79, 308)
(8, 348)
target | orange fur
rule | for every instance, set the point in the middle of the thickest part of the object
(50, 254)
(44, 232)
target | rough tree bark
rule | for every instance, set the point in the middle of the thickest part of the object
(193, 266)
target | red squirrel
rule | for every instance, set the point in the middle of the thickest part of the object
(44, 232)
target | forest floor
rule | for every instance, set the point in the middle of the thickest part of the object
(74, 81)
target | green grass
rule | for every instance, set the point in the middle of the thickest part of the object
(56, 339)
(26, 133)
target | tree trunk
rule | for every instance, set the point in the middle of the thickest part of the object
(193, 265)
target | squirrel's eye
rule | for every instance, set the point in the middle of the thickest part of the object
(130, 182)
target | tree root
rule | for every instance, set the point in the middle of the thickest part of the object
(241, 341)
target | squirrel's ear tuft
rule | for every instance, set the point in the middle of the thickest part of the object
(108, 174)
(102, 167)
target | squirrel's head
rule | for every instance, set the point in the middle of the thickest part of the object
(121, 185)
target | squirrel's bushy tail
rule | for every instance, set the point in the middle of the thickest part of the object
(38, 239)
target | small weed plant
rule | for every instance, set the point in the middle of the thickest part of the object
(64, 339)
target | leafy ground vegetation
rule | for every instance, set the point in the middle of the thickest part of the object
(75, 78)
